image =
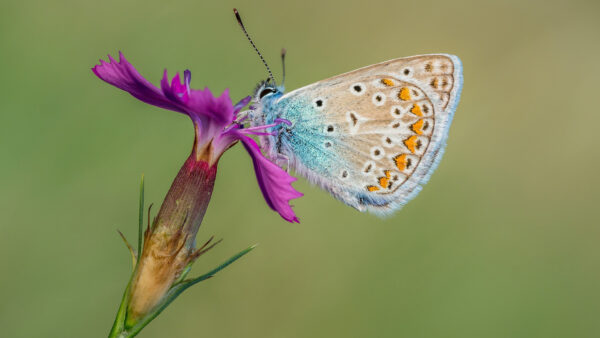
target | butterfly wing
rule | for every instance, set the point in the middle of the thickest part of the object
(373, 136)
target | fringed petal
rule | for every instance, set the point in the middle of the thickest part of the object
(274, 182)
(124, 76)
(173, 95)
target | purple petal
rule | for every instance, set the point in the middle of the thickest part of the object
(203, 103)
(275, 183)
(178, 89)
(243, 102)
(173, 95)
(187, 79)
(124, 76)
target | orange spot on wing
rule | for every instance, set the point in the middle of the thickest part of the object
(411, 143)
(417, 127)
(385, 181)
(372, 188)
(387, 82)
(404, 94)
(400, 162)
(416, 109)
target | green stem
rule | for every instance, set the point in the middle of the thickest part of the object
(119, 324)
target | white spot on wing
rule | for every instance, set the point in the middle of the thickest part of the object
(354, 121)
(344, 174)
(378, 99)
(407, 71)
(319, 103)
(387, 141)
(377, 153)
(358, 88)
(397, 111)
(368, 168)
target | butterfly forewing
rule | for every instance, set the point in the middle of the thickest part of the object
(372, 136)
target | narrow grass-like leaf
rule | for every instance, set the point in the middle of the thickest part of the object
(131, 250)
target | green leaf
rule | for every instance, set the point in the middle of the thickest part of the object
(211, 273)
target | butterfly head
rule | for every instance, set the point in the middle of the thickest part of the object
(267, 90)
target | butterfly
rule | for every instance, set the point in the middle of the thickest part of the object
(371, 137)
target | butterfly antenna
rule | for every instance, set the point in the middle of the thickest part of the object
(283, 52)
(239, 20)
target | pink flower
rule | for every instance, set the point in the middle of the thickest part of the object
(215, 124)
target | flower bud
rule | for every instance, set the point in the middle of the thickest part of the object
(169, 245)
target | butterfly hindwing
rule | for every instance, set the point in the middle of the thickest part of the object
(372, 136)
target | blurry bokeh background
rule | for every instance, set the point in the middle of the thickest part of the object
(502, 242)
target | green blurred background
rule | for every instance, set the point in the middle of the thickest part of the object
(503, 241)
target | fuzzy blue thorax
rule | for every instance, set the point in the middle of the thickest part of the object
(302, 142)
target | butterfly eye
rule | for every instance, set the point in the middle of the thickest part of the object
(265, 92)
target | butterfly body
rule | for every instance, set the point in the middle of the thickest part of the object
(371, 137)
